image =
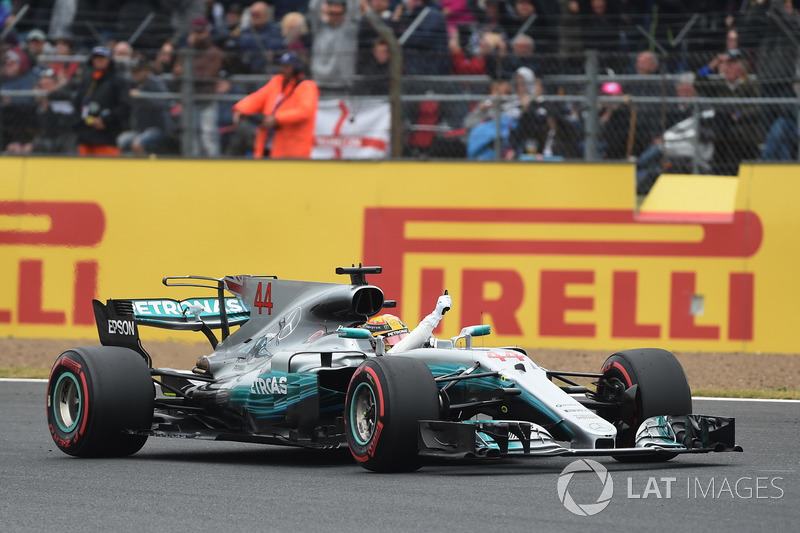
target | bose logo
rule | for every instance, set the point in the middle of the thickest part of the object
(121, 327)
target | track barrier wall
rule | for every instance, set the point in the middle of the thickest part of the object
(551, 255)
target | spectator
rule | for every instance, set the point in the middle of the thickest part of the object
(376, 70)
(55, 111)
(334, 25)
(535, 23)
(483, 121)
(16, 77)
(776, 57)
(495, 17)
(17, 111)
(64, 69)
(206, 61)
(426, 48)
(614, 118)
(735, 126)
(457, 13)
(165, 59)
(232, 23)
(35, 44)
(653, 161)
(542, 130)
(102, 105)
(122, 56)
(296, 38)
(426, 52)
(285, 110)
(467, 58)
(522, 54)
(366, 33)
(233, 141)
(649, 124)
(261, 40)
(150, 120)
(600, 29)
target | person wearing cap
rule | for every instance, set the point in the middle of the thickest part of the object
(35, 43)
(206, 62)
(285, 111)
(102, 105)
(17, 111)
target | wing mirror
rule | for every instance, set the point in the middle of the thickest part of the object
(472, 331)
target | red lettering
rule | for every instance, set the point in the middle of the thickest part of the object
(740, 307)
(431, 287)
(264, 301)
(623, 309)
(681, 325)
(84, 292)
(5, 316)
(554, 303)
(29, 301)
(475, 306)
(69, 223)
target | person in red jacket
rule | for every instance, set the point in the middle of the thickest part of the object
(285, 110)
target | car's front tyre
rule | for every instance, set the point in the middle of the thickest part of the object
(386, 399)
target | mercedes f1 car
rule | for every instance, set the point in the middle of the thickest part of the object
(298, 370)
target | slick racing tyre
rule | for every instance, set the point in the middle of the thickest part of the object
(95, 397)
(661, 389)
(386, 399)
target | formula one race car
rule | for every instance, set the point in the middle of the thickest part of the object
(300, 371)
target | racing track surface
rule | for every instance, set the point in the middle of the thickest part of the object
(181, 485)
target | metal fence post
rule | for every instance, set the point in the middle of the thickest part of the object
(696, 155)
(591, 124)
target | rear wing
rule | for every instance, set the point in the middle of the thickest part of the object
(118, 321)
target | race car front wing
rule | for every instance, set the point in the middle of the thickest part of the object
(661, 435)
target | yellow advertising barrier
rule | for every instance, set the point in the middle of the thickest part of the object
(551, 255)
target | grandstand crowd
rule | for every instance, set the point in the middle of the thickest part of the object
(519, 51)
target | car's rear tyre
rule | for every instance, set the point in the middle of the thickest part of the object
(95, 397)
(662, 389)
(386, 399)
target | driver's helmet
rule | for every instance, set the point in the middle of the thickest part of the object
(388, 327)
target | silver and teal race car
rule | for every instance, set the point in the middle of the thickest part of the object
(290, 365)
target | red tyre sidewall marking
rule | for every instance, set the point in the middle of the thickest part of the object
(70, 365)
(370, 453)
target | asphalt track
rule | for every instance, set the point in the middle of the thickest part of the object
(181, 485)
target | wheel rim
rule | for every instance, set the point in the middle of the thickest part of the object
(67, 401)
(363, 415)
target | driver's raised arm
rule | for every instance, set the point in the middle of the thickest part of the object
(423, 332)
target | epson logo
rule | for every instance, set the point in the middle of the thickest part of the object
(121, 327)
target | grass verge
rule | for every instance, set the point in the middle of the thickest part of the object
(779, 393)
(24, 372)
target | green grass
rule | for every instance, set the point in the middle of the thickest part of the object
(25, 372)
(779, 393)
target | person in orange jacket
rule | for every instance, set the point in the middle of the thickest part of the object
(285, 111)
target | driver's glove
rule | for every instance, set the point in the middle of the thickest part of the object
(443, 304)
